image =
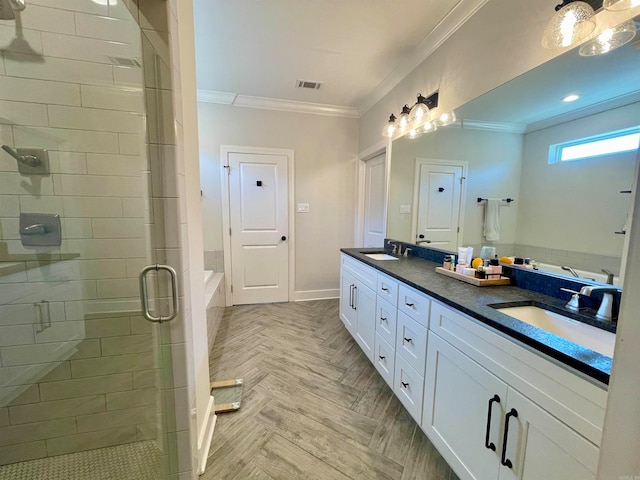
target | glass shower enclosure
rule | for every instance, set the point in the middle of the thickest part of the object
(83, 375)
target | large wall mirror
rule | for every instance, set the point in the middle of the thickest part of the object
(563, 214)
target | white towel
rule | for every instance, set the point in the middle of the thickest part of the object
(492, 219)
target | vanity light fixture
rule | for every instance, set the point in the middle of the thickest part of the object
(403, 119)
(615, 5)
(419, 112)
(571, 98)
(610, 39)
(572, 23)
(429, 126)
(390, 128)
(446, 118)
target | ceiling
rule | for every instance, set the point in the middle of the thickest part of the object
(259, 48)
(534, 100)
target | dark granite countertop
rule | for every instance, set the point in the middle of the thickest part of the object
(474, 301)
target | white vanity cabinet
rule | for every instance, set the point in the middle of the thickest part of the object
(485, 428)
(494, 408)
(358, 302)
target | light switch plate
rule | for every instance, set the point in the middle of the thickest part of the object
(405, 208)
(303, 208)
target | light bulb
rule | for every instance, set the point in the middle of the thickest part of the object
(429, 126)
(414, 133)
(569, 26)
(446, 118)
(390, 128)
(419, 112)
(610, 39)
(403, 119)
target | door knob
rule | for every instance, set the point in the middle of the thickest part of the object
(283, 238)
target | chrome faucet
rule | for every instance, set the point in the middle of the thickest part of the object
(570, 270)
(607, 305)
(397, 247)
(605, 311)
(609, 275)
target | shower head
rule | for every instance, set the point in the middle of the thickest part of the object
(18, 5)
(9, 7)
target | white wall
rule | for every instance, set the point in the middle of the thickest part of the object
(494, 160)
(576, 205)
(325, 150)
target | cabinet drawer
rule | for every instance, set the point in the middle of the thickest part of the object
(411, 342)
(384, 360)
(388, 289)
(414, 304)
(386, 321)
(408, 386)
(366, 274)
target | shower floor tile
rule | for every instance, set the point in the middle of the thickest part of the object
(133, 461)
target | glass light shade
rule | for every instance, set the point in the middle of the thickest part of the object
(569, 26)
(446, 118)
(620, 4)
(414, 133)
(390, 128)
(610, 39)
(429, 126)
(404, 121)
(419, 113)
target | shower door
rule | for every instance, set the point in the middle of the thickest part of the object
(83, 375)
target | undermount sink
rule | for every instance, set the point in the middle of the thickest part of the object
(380, 256)
(588, 336)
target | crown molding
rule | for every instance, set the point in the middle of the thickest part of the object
(492, 126)
(463, 10)
(224, 98)
(211, 96)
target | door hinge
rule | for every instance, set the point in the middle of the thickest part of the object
(231, 288)
(458, 229)
(229, 231)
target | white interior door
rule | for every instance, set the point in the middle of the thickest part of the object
(437, 199)
(258, 218)
(375, 201)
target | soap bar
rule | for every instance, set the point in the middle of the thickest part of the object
(471, 272)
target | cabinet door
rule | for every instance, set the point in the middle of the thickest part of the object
(366, 321)
(539, 446)
(459, 399)
(384, 360)
(386, 320)
(408, 387)
(347, 298)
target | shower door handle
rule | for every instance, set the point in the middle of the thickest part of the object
(145, 298)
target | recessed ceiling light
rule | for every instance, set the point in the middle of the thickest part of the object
(571, 98)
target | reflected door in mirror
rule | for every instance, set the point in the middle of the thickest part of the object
(437, 199)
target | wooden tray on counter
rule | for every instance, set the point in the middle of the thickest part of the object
(478, 282)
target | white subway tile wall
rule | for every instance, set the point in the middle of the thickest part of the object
(79, 367)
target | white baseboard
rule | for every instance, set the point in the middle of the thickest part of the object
(204, 443)
(308, 295)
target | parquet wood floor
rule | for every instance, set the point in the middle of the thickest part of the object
(313, 406)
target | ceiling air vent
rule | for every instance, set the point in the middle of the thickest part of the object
(308, 84)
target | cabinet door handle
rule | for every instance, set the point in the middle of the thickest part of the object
(385, 289)
(504, 460)
(355, 297)
(351, 296)
(384, 319)
(408, 304)
(381, 357)
(487, 444)
(405, 385)
(408, 340)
